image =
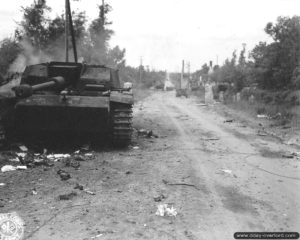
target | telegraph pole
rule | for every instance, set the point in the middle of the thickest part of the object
(182, 72)
(102, 13)
(141, 65)
(66, 31)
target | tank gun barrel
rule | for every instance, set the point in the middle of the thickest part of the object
(25, 90)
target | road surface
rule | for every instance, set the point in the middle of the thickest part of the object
(220, 176)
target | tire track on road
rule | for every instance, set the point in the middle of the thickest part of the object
(221, 224)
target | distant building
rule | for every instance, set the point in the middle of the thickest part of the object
(168, 85)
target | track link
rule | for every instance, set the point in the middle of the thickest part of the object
(121, 125)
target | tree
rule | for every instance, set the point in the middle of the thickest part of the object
(275, 63)
(34, 26)
(41, 38)
(100, 35)
(116, 57)
(9, 51)
(242, 58)
(56, 33)
(233, 59)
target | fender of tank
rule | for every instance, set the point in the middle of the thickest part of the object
(72, 97)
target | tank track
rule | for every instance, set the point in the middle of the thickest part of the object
(121, 125)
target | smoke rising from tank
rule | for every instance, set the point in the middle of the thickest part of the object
(29, 55)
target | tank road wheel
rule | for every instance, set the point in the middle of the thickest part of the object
(121, 125)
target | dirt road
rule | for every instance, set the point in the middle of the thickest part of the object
(219, 175)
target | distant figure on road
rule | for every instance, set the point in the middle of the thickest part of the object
(209, 96)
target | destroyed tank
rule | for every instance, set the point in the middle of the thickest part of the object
(72, 98)
(69, 97)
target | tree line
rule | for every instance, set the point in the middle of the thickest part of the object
(40, 38)
(37, 35)
(270, 66)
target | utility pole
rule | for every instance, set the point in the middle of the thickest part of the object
(141, 66)
(102, 12)
(66, 31)
(182, 72)
(189, 74)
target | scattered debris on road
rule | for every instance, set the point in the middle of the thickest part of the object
(150, 134)
(262, 116)
(276, 116)
(79, 159)
(63, 175)
(89, 192)
(58, 156)
(288, 155)
(165, 210)
(211, 139)
(78, 186)
(147, 133)
(23, 148)
(14, 159)
(226, 171)
(42, 161)
(71, 163)
(142, 132)
(68, 196)
(99, 235)
(180, 184)
(228, 120)
(262, 133)
(8, 168)
(159, 198)
(293, 141)
(291, 155)
(22, 154)
(30, 159)
(34, 191)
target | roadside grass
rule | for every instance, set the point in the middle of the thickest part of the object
(281, 114)
(140, 94)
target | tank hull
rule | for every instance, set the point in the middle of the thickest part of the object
(40, 113)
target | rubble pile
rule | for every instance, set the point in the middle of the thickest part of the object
(25, 158)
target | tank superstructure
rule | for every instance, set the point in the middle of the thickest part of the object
(72, 98)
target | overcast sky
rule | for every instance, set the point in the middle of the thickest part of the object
(163, 32)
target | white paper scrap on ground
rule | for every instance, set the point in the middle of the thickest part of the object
(164, 210)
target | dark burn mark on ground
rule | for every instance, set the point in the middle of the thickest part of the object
(267, 153)
(238, 202)
(239, 135)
